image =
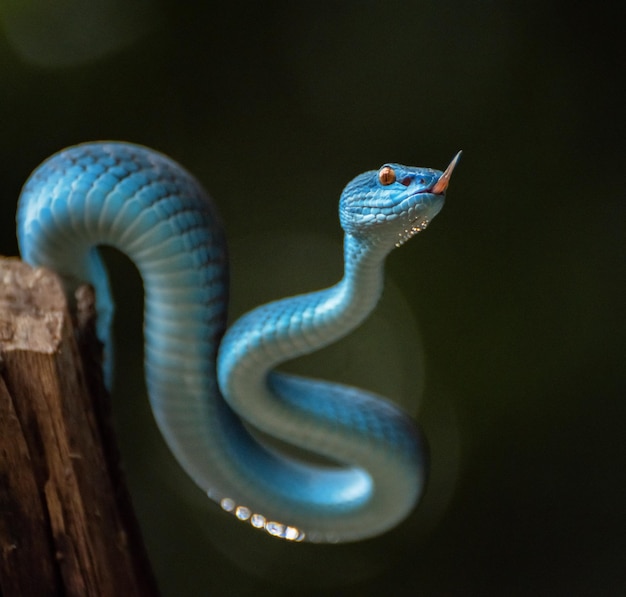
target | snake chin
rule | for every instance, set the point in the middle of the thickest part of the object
(415, 227)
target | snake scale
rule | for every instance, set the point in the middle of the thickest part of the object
(210, 388)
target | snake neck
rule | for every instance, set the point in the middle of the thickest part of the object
(351, 300)
(295, 326)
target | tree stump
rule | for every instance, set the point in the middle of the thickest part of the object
(66, 522)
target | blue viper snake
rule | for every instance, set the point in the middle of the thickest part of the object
(210, 387)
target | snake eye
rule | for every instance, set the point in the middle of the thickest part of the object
(386, 176)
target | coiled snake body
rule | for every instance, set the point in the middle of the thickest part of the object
(203, 384)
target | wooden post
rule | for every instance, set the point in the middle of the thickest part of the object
(66, 524)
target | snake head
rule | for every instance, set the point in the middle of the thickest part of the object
(390, 205)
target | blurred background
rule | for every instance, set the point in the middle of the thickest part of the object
(502, 326)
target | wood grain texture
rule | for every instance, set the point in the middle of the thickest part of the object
(66, 524)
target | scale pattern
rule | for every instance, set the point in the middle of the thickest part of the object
(151, 209)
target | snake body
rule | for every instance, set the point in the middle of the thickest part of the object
(209, 388)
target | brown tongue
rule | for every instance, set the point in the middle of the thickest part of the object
(442, 184)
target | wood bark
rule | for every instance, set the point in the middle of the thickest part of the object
(66, 522)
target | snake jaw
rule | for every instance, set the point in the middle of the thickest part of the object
(438, 189)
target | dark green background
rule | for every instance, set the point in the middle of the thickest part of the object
(517, 288)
